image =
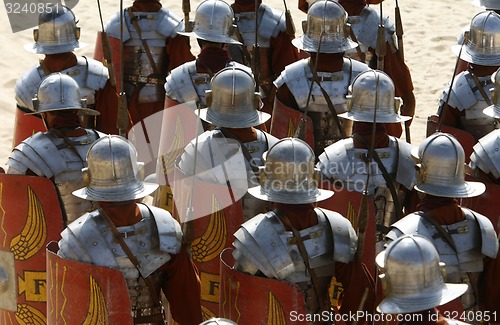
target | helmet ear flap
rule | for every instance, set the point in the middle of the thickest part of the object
(36, 34)
(86, 176)
(397, 104)
(208, 97)
(384, 282)
(348, 101)
(442, 268)
(347, 30)
(77, 33)
(304, 26)
(232, 28)
(36, 103)
(494, 97)
(258, 101)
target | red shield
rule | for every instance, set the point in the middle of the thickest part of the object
(114, 47)
(486, 204)
(25, 126)
(465, 138)
(30, 217)
(82, 293)
(178, 127)
(213, 221)
(285, 120)
(252, 300)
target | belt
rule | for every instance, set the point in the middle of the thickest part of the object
(144, 80)
(150, 313)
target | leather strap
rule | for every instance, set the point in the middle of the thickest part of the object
(387, 177)
(480, 87)
(305, 256)
(119, 239)
(143, 41)
(329, 102)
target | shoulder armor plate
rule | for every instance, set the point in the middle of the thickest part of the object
(486, 155)
(405, 173)
(365, 27)
(179, 84)
(489, 237)
(113, 27)
(344, 236)
(27, 86)
(169, 230)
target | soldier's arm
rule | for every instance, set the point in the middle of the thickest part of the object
(283, 53)
(182, 289)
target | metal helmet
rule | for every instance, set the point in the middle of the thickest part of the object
(59, 92)
(424, 289)
(232, 100)
(440, 168)
(373, 90)
(218, 321)
(113, 173)
(213, 22)
(289, 175)
(326, 29)
(494, 109)
(57, 32)
(487, 4)
(483, 43)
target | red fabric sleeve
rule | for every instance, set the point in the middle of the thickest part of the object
(283, 53)
(182, 289)
(489, 288)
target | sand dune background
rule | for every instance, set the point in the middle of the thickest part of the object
(430, 28)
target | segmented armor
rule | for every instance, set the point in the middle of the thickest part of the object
(62, 160)
(465, 96)
(138, 72)
(486, 156)
(263, 244)
(152, 241)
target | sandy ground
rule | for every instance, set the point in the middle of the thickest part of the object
(430, 28)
